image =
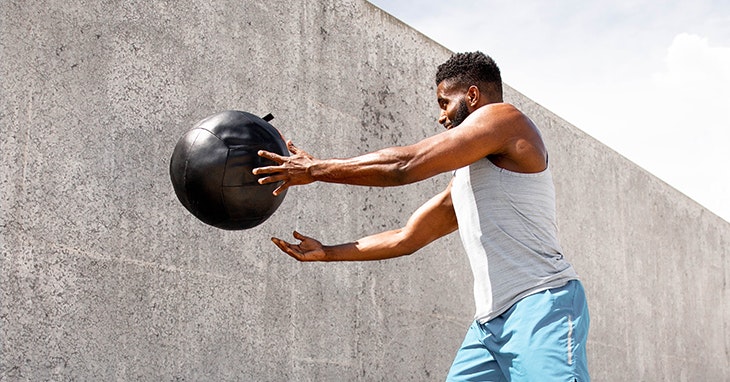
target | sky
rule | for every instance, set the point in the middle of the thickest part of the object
(648, 78)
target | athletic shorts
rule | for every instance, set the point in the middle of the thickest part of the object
(540, 338)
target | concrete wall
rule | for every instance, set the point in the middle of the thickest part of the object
(656, 265)
(105, 276)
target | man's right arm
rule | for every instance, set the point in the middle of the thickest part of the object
(434, 219)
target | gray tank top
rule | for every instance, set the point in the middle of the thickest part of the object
(507, 226)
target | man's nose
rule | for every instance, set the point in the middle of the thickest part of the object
(442, 117)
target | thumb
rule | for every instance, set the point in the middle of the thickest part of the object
(290, 146)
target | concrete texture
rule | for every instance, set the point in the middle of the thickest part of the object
(655, 264)
(105, 276)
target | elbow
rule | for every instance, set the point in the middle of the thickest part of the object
(402, 167)
(402, 252)
(399, 175)
(405, 245)
(404, 172)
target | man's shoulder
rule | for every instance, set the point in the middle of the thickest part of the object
(503, 115)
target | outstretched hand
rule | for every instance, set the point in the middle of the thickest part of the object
(308, 248)
(292, 170)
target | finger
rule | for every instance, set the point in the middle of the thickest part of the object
(299, 236)
(272, 179)
(283, 187)
(279, 243)
(284, 246)
(272, 156)
(290, 146)
(266, 170)
(287, 248)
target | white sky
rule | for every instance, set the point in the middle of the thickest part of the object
(648, 78)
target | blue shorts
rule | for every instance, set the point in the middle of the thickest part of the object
(540, 338)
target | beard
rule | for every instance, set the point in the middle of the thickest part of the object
(461, 113)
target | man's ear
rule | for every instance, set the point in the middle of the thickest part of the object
(472, 96)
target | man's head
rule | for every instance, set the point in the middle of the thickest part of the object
(466, 82)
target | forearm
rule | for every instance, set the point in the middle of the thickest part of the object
(381, 246)
(387, 167)
(434, 219)
(392, 166)
(431, 221)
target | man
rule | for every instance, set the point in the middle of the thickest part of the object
(531, 320)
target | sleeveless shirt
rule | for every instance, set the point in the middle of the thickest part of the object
(507, 226)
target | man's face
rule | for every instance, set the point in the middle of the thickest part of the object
(452, 102)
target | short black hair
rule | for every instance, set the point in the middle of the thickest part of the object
(471, 68)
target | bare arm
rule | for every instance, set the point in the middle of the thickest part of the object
(492, 129)
(434, 219)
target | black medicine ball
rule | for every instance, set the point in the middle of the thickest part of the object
(211, 170)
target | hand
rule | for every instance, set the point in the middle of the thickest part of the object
(308, 249)
(291, 171)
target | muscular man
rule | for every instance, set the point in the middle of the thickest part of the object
(531, 320)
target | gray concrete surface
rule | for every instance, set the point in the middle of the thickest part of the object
(105, 276)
